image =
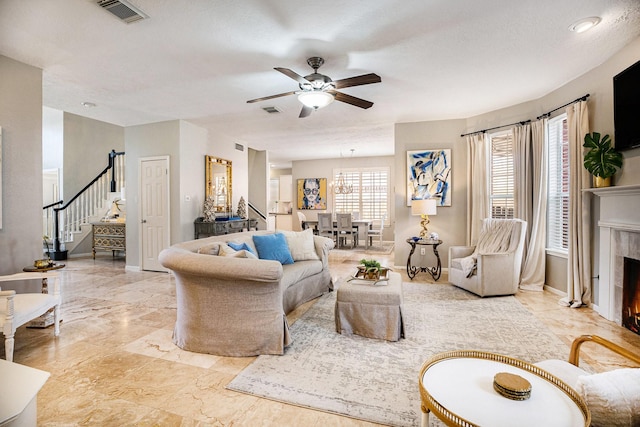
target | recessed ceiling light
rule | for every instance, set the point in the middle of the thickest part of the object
(584, 24)
(88, 104)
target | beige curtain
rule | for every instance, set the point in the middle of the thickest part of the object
(477, 181)
(579, 261)
(533, 272)
(523, 181)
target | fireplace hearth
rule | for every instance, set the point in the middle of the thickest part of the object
(631, 295)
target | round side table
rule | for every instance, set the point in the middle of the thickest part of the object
(412, 270)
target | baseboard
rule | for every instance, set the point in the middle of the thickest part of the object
(554, 291)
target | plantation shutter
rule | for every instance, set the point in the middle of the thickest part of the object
(370, 196)
(558, 184)
(502, 176)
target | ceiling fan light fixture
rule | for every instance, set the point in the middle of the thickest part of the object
(316, 99)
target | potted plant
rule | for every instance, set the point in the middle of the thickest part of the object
(370, 269)
(602, 160)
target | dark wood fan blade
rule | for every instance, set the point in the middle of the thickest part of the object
(365, 79)
(358, 102)
(306, 111)
(270, 97)
(292, 74)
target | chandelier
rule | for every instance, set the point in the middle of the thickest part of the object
(341, 187)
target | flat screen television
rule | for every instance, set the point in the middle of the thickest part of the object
(626, 108)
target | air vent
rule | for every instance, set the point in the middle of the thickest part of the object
(271, 110)
(239, 147)
(123, 10)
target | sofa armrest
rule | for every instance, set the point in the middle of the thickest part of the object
(220, 267)
(323, 246)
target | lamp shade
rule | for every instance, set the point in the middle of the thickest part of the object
(423, 207)
(316, 99)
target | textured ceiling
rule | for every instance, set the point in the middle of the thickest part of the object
(201, 60)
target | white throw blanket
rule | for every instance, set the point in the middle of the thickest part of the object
(495, 237)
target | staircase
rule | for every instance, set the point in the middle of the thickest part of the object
(68, 224)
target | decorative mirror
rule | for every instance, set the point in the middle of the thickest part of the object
(218, 183)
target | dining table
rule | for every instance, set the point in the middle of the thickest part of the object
(360, 224)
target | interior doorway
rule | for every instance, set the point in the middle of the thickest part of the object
(50, 194)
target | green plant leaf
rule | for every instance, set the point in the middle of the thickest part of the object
(602, 159)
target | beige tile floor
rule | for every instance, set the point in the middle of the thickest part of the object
(114, 365)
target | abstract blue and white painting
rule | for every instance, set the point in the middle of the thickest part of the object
(429, 176)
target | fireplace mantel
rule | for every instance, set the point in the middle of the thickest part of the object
(619, 213)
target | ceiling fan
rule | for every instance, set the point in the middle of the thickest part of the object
(318, 91)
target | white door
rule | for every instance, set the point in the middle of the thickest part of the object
(154, 211)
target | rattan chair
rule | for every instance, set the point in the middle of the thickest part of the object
(613, 397)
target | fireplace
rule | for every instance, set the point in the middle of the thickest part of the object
(631, 295)
(616, 212)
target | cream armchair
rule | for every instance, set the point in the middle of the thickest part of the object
(18, 309)
(493, 266)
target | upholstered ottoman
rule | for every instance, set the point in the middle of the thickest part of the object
(372, 311)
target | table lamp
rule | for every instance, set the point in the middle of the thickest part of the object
(424, 208)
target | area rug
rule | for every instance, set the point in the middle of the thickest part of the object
(385, 249)
(376, 380)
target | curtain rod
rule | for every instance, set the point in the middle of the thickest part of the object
(497, 127)
(548, 113)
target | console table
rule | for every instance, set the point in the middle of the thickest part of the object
(109, 236)
(218, 228)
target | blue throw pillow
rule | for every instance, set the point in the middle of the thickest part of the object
(273, 247)
(240, 247)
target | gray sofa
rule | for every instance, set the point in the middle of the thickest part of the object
(235, 306)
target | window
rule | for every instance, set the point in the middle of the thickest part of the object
(501, 178)
(558, 184)
(370, 196)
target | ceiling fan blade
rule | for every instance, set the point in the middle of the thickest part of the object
(292, 74)
(270, 97)
(305, 112)
(364, 79)
(358, 102)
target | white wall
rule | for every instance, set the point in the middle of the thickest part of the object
(193, 148)
(52, 138)
(87, 145)
(450, 221)
(21, 204)
(258, 175)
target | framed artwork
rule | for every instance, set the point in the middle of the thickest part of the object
(312, 193)
(429, 176)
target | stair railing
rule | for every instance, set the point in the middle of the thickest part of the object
(69, 217)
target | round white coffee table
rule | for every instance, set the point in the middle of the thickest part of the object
(457, 387)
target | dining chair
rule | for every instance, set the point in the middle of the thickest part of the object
(345, 229)
(377, 227)
(302, 218)
(325, 225)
